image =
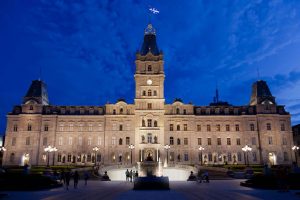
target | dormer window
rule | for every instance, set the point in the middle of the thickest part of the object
(121, 111)
(149, 68)
(177, 111)
(114, 112)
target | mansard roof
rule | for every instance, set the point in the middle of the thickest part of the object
(37, 92)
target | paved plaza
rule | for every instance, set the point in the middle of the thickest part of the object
(218, 189)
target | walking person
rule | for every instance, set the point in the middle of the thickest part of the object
(63, 177)
(127, 175)
(86, 177)
(130, 175)
(76, 178)
(67, 177)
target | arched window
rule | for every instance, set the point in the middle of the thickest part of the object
(178, 127)
(171, 141)
(178, 141)
(154, 93)
(149, 68)
(155, 123)
(184, 111)
(121, 111)
(149, 138)
(149, 93)
(143, 123)
(120, 141)
(114, 111)
(120, 127)
(155, 139)
(177, 111)
(144, 92)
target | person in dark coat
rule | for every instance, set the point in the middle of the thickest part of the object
(67, 177)
(76, 178)
(86, 177)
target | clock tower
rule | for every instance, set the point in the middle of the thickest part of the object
(149, 97)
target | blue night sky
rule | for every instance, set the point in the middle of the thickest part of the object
(86, 49)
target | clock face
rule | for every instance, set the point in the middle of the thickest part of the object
(149, 82)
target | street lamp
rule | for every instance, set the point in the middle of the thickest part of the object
(96, 149)
(167, 147)
(131, 147)
(49, 149)
(201, 149)
(246, 149)
(2, 149)
(295, 149)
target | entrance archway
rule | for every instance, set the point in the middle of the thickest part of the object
(25, 160)
(149, 155)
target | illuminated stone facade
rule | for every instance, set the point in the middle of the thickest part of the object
(149, 124)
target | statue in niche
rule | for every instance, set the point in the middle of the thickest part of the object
(155, 139)
(149, 157)
(143, 139)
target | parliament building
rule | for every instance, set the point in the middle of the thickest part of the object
(176, 133)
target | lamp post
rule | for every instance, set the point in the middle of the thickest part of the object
(295, 149)
(246, 149)
(2, 149)
(49, 149)
(201, 149)
(96, 149)
(54, 149)
(167, 147)
(131, 147)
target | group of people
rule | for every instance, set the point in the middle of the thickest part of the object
(203, 177)
(65, 178)
(130, 175)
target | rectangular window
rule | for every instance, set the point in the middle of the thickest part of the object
(253, 140)
(89, 141)
(228, 141)
(269, 126)
(254, 156)
(171, 141)
(69, 158)
(46, 127)
(185, 127)
(27, 140)
(238, 141)
(227, 127)
(208, 141)
(186, 157)
(171, 127)
(284, 141)
(218, 127)
(237, 127)
(251, 127)
(29, 127)
(229, 157)
(59, 158)
(282, 127)
(208, 128)
(13, 141)
(198, 127)
(70, 140)
(60, 141)
(121, 127)
(127, 140)
(90, 127)
(199, 141)
(15, 128)
(149, 122)
(219, 141)
(270, 140)
(185, 141)
(113, 140)
(209, 157)
(44, 141)
(239, 155)
(149, 106)
(80, 141)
